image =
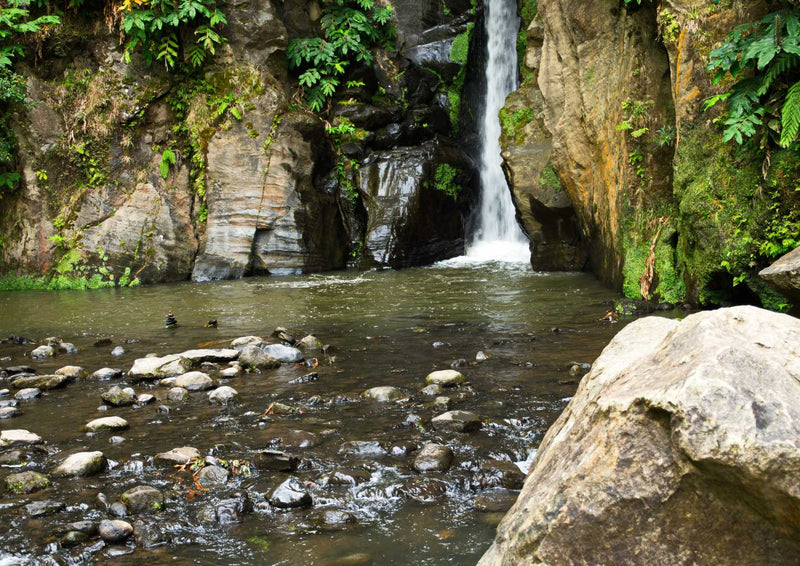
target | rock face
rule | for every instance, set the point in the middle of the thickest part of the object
(677, 425)
(784, 275)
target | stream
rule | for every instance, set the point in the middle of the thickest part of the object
(384, 328)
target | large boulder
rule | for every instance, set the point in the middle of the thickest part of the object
(784, 275)
(679, 447)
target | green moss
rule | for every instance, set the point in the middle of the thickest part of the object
(549, 178)
(667, 285)
(514, 122)
(445, 180)
(460, 47)
(527, 11)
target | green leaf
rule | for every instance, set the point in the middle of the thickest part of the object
(790, 116)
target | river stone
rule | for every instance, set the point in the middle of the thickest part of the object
(433, 458)
(14, 370)
(117, 509)
(231, 371)
(310, 343)
(222, 395)
(348, 477)
(43, 352)
(194, 381)
(207, 355)
(9, 412)
(383, 394)
(242, 341)
(337, 517)
(145, 399)
(362, 448)
(445, 378)
(44, 508)
(784, 275)
(72, 372)
(81, 464)
(26, 482)
(423, 490)
(167, 382)
(300, 439)
(86, 527)
(118, 351)
(119, 397)
(678, 428)
(28, 393)
(275, 460)
(156, 368)
(177, 394)
(432, 390)
(442, 403)
(180, 456)
(290, 494)
(106, 374)
(210, 476)
(106, 424)
(495, 501)
(68, 348)
(282, 353)
(43, 382)
(456, 421)
(114, 531)
(142, 499)
(497, 473)
(254, 357)
(73, 538)
(148, 534)
(18, 437)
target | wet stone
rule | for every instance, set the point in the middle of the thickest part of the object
(432, 390)
(423, 490)
(211, 476)
(150, 368)
(145, 399)
(495, 501)
(142, 499)
(116, 440)
(179, 456)
(118, 351)
(310, 343)
(445, 378)
(442, 403)
(254, 357)
(362, 448)
(67, 348)
(276, 461)
(194, 381)
(11, 457)
(119, 397)
(118, 509)
(231, 372)
(26, 482)
(87, 527)
(43, 382)
(73, 538)
(177, 395)
(282, 353)
(337, 517)
(222, 395)
(43, 352)
(457, 421)
(18, 437)
(106, 424)
(115, 531)
(9, 412)
(243, 341)
(106, 374)
(433, 458)
(72, 372)
(230, 511)
(81, 464)
(27, 394)
(481, 357)
(384, 394)
(348, 477)
(14, 370)
(148, 534)
(497, 473)
(307, 378)
(44, 508)
(290, 494)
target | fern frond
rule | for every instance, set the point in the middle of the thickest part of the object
(782, 63)
(790, 117)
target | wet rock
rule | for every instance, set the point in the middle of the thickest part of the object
(432, 390)
(167, 382)
(180, 455)
(148, 534)
(11, 457)
(119, 397)
(43, 382)
(72, 372)
(445, 378)
(423, 490)
(156, 368)
(9, 412)
(459, 363)
(456, 421)
(362, 448)
(231, 371)
(433, 458)
(310, 343)
(73, 538)
(106, 424)
(145, 399)
(86, 527)
(282, 353)
(254, 357)
(18, 437)
(222, 395)
(481, 357)
(118, 509)
(143, 499)
(300, 439)
(383, 394)
(177, 395)
(275, 460)
(442, 403)
(230, 511)
(403, 448)
(44, 508)
(26, 482)
(347, 477)
(495, 501)
(243, 341)
(81, 464)
(497, 473)
(67, 348)
(116, 439)
(200, 356)
(212, 476)
(43, 352)
(290, 494)
(118, 351)
(14, 370)
(337, 517)
(307, 378)
(357, 559)
(115, 530)
(27, 394)
(106, 374)
(283, 335)
(194, 381)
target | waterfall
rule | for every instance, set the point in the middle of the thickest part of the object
(497, 235)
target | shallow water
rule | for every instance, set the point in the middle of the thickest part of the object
(385, 328)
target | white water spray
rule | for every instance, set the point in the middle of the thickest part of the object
(498, 237)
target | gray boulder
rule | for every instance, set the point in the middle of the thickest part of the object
(433, 458)
(456, 421)
(142, 499)
(282, 353)
(156, 368)
(254, 357)
(81, 464)
(679, 447)
(194, 381)
(222, 395)
(784, 276)
(445, 378)
(106, 424)
(119, 397)
(290, 494)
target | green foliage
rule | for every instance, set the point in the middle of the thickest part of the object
(460, 46)
(527, 11)
(157, 28)
(167, 159)
(513, 123)
(350, 29)
(763, 61)
(445, 180)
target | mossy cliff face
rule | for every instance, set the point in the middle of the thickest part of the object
(612, 101)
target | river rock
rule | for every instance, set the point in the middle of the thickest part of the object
(442, 403)
(445, 378)
(423, 490)
(43, 352)
(118, 351)
(119, 397)
(44, 508)
(177, 395)
(310, 343)
(784, 276)
(290, 494)
(156, 368)
(200, 356)
(211, 476)
(142, 499)
(222, 395)
(148, 534)
(145, 398)
(497, 473)
(18, 437)
(180, 456)
(26, 482)
(495, 501)
(43, 382)
(457, 421)
(106, 374)
(337, 517)
(115, 531)
(275, 461)
(73, 538)
(81, 464)
(677, 426)
(383, 394)
(14, 370)
(106, 424)
(254, 357)
(300, 439)
(362, 448)
(242, 341)
(347, 477)
(9, 412)
(68, 348)
(433, 458)
(72, 372)
(282, 353)
(194, 381)
(27, 393)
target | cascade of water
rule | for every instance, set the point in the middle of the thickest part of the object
(498, 236)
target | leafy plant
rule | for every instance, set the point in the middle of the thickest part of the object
(445, 180)
(350, 28)
(167, 159)
(763, 59)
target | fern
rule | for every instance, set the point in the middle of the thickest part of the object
(790, 116)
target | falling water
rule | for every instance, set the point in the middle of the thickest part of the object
(497, 236)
